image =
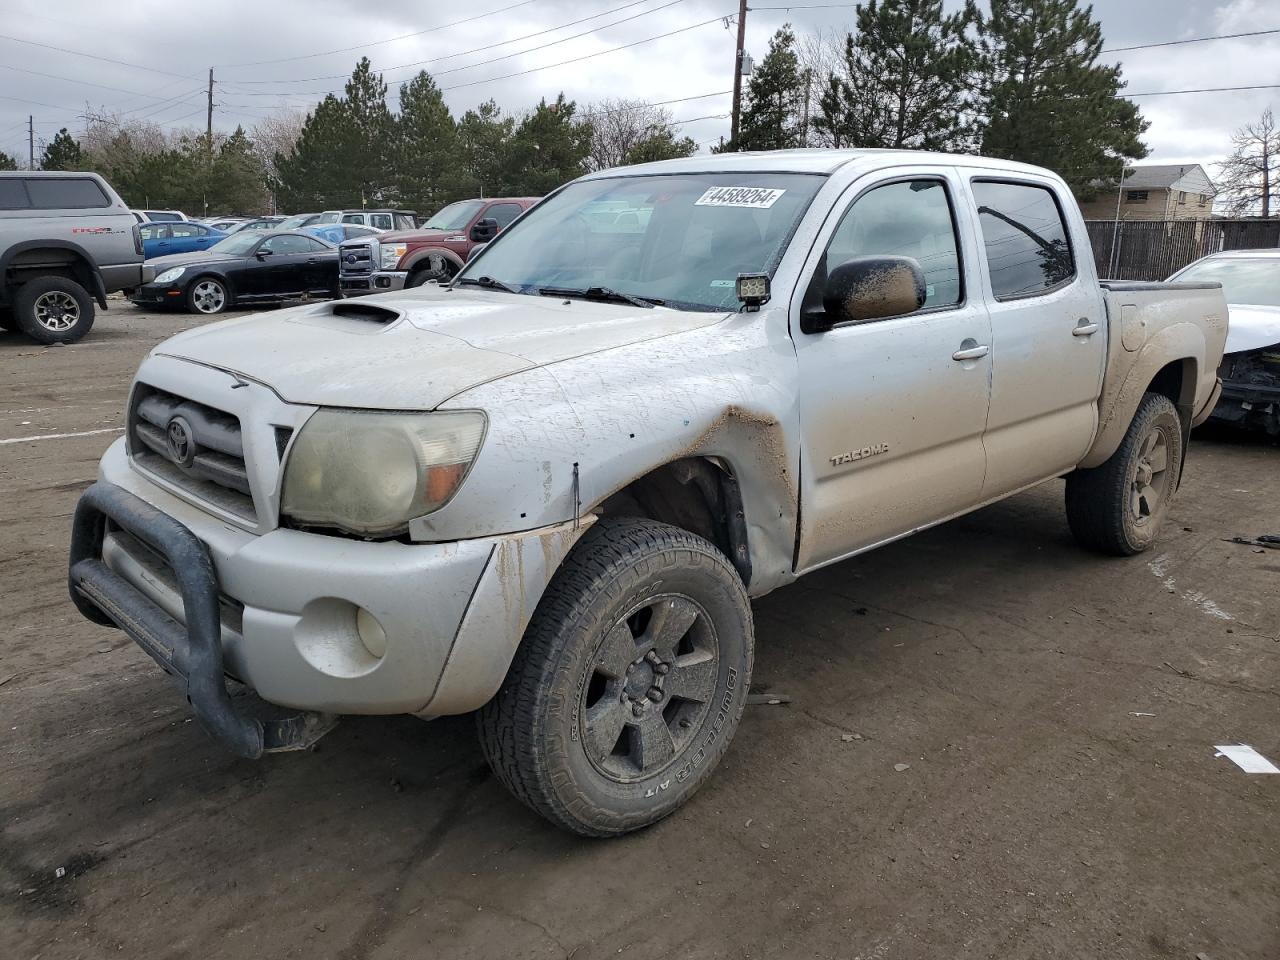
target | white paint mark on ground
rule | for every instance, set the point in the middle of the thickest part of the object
(62, 436)
(1246, 758)
(1160, 567)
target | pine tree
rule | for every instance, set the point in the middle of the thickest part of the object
(237, 180)
(904, 78)
(1045, 99)
(7, 162)
(549, 148)
(343, 155)
(771, 116)
(62, 153)
(484, 137)
(426, 175)
(660, 145)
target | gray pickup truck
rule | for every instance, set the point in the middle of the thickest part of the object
(66, 241)
(548, 491)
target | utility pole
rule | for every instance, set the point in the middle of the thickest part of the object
(31, 142)
(804, 121)
(737, 70)
(208, 144)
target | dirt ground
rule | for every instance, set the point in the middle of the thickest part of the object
(1058, 713)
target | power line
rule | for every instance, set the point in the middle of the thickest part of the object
(87, 83)
(1174, 43)
(656, 103)
(92, 56)
(507, 56)
(589, 56)
(461, 53)
(375, 43)
(1170, 93)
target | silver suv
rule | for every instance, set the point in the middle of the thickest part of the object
(66, 240)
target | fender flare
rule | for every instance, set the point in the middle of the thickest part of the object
(98, 289)
(426, 253)
(1180, 343)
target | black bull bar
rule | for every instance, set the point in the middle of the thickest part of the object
(191, 654)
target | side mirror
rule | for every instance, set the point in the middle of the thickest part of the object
(475, 251)
(262, 254)
(484, 230)
(869, 288)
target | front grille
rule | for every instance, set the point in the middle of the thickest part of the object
(356, 260)
(192, 446)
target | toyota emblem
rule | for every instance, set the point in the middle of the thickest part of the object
(182, 449)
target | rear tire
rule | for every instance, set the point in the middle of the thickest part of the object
(1118, 507)
(53, 310)
(629, 683)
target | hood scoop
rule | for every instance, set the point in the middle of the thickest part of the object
(349, 316)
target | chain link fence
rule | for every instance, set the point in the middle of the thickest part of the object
(1153, 249)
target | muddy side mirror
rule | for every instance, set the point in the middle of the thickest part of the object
(869, 288)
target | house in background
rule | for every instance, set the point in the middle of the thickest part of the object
(1176, 191)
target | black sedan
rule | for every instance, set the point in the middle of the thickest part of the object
(249, 267)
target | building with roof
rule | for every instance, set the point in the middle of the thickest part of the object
(1168, 191)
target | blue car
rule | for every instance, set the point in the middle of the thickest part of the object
(161, 239)
(335, 233)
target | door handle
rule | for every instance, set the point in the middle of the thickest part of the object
(973, 351)
(1085, 328)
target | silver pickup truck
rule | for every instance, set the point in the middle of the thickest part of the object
(66, 240)
(547, 491)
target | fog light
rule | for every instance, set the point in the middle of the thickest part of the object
(371, 633)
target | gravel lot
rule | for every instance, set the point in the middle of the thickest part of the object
(1057, 711)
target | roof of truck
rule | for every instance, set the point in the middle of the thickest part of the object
(805, 161)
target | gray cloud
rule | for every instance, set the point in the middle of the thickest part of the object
(179, 43)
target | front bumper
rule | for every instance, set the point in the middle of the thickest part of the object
(280, 611)
(154, 294)
(1251, 388)
(380, 281)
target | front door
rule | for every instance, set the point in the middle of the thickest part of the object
(892, 410)
(1048, 335)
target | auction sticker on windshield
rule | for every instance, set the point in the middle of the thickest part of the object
(759, 198)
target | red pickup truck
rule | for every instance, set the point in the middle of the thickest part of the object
(435, 251)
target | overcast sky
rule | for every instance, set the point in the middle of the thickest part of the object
(182, 41)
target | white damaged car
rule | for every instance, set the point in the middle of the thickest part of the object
(1251, 366)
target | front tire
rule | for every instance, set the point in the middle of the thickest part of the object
(53, 310)
(209, 296)
(629, 683)
(436, 268)
(1118, 507)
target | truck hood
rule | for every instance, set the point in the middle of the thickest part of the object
(1250, 327)
(422, 347)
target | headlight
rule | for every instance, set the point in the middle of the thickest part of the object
(390, 255)
(169, 275)
(370, 473)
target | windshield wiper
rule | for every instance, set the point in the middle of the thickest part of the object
(603, 294)
(489, 284)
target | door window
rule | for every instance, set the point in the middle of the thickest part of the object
(147, 233)
(287, 243)
(13, 195)
(911, 218)
(1025, 238)
(381, 220)
(183, 231)
(353, 218)
(404, 222)
(504, 213)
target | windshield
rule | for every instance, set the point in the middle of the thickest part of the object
(1253, 280)
(296, 221)
(681, 240)
(330, 216)
(455, 216)
(238, 243)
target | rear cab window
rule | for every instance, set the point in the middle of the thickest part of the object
(66, 193)
(13, 194)
(1025, 238)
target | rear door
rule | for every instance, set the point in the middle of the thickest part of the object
(892, 410)
(1048, 340)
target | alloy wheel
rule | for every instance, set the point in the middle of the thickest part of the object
(1150, 482)
(653, 682)
(57, 311)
